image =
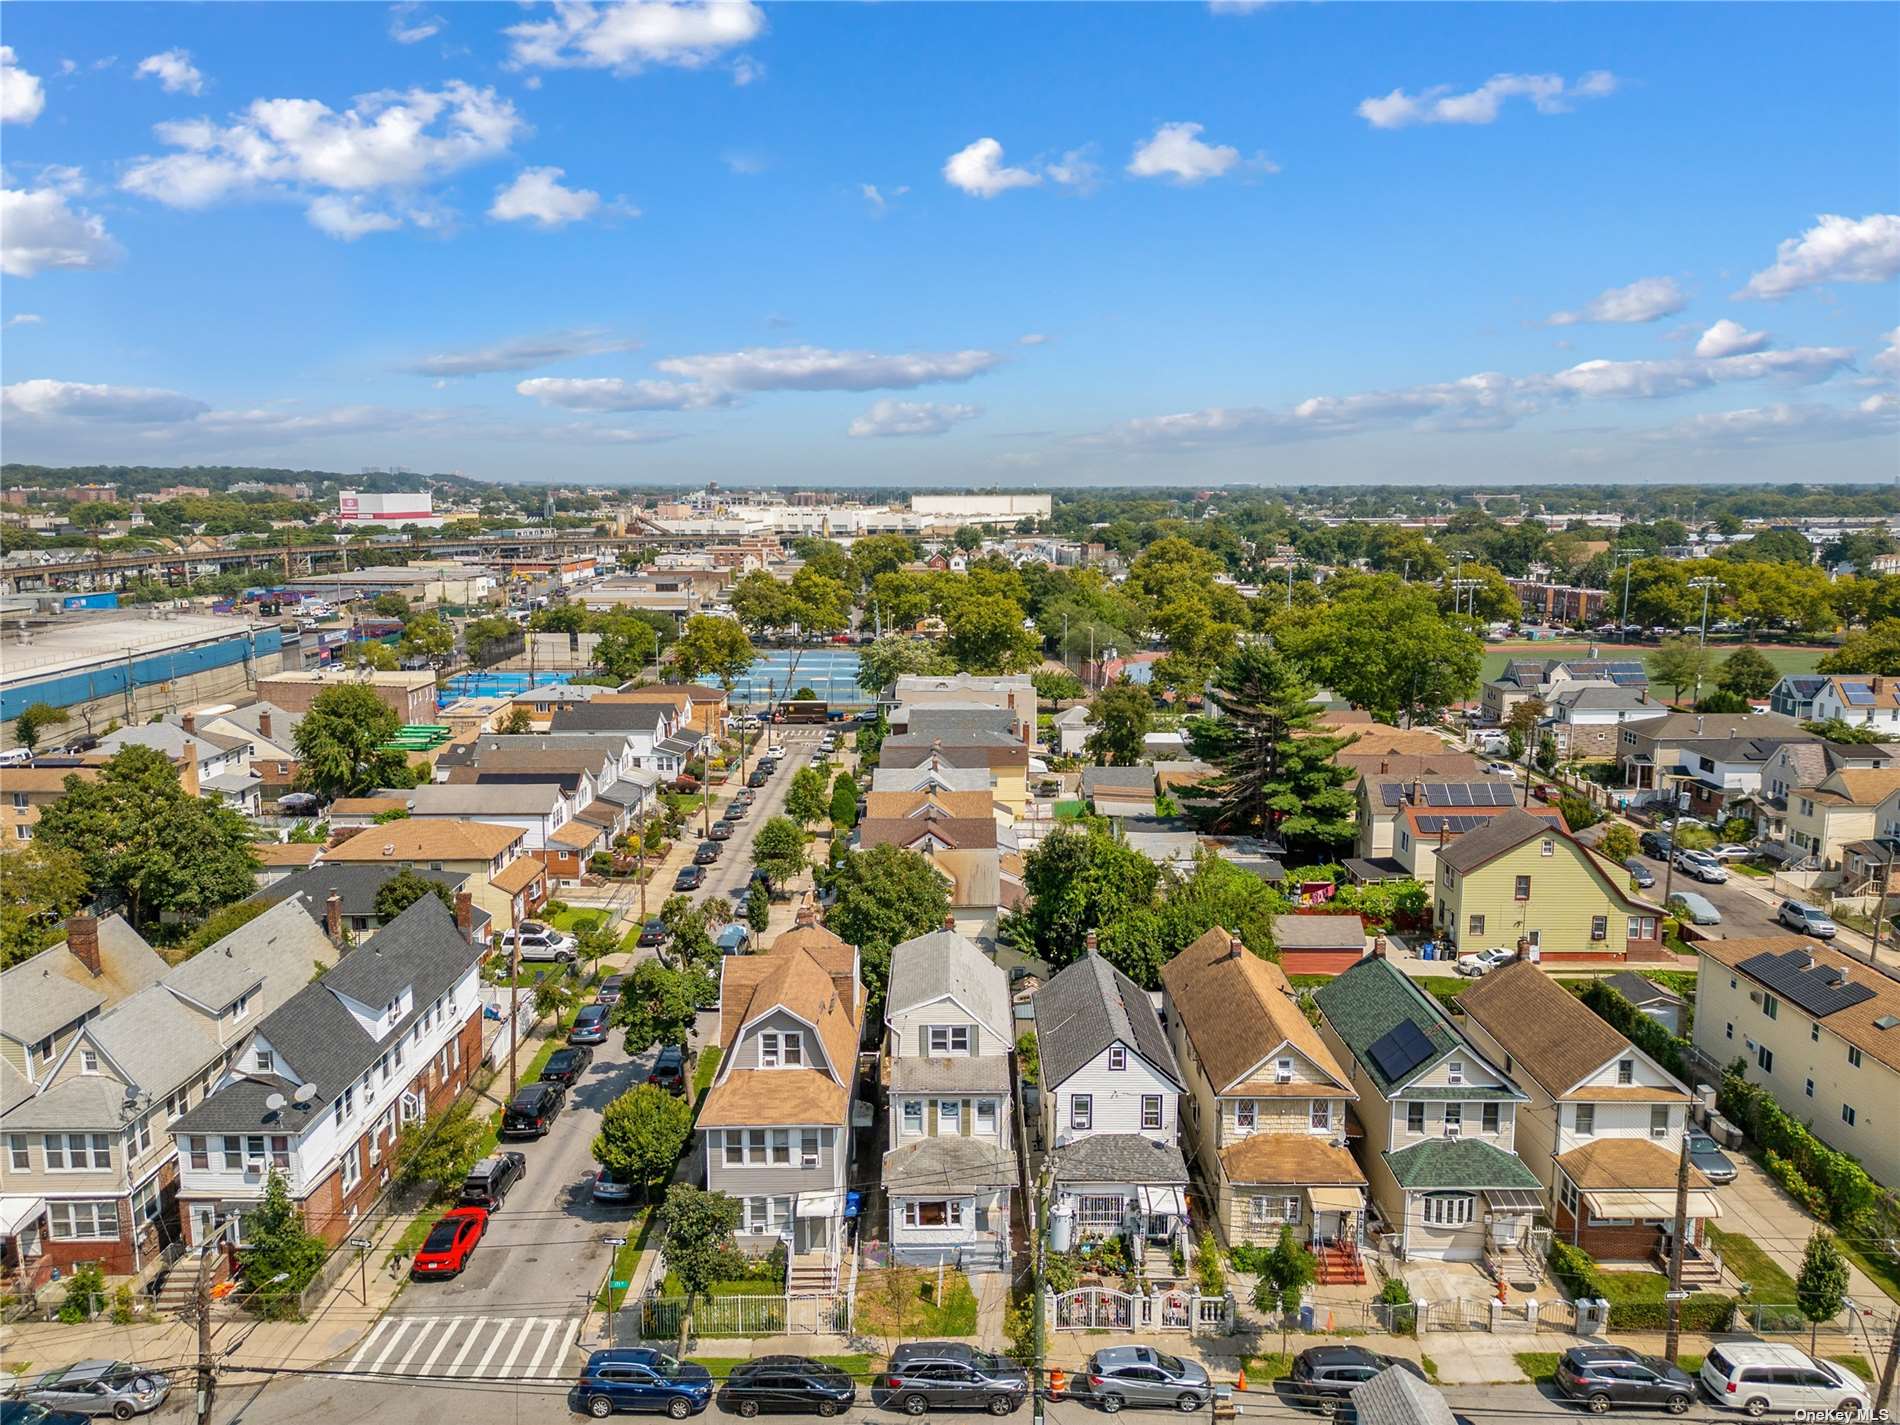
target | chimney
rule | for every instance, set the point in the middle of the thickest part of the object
(263, 724)
(82, 938)
(1880, 686)
(333, 918)
(807, 915)
(1234, 947)
(949, 922)
(1443, 835)
(1384, 767)
(1418, 789)
(1378, 947)
(190, 723)
(465, 914)
(1523, 947)
(1089, 942)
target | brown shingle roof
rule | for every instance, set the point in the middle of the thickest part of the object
(426, 839)
(890, 805)
(576, 835)
(811, 976)
(788, 1096)
(43, 779)
(1297, 1159)
(1319, 932)
(517, 875)
(965, 833)
(1549, 1033)
(367, 806)
(1625, 1163)
(1855, 1024)
(1238, 1009)
(1862, 786)
(286, 853)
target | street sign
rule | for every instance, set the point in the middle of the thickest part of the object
(362, 1244)
(1676, 1296)
(618, 1286)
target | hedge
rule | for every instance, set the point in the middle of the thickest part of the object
(1847, 1194)
(1576, 1272)
(1649, 1036)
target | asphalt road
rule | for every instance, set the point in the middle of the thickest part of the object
(1744, 916)
(733, 869)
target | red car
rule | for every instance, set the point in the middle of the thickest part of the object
(445, 1252)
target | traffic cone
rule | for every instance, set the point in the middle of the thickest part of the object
(1241, 1384)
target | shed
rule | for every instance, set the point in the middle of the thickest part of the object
(1319, 944)
(1651, 999)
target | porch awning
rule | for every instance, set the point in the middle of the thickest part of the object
(1513, 1199)
(819, 1204)
(19, 1212)
(1335, 1199)
(1640, 1204)
(1163, 1202)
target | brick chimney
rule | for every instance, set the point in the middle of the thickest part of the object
(1378, 947)
(82, 938)
(465, 914)
(1235, 949)
(263, 724)
(1523, 947)
(1418, 790)
(807, 915)
(333, 918)
(949, 922)
(1089, 942)
(190, 723)
(1384, 767)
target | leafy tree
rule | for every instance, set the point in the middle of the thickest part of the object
(1681, 663)
(895, 656)
(877, 554)
(561, 618)
(642, 1134)
(660, 1004)
(987, 636)
(373, 654)
(1524, 716)
(758, 908)
(32, 721)
(594, 938)
(1579, 812)
(1874, 649)
(1054, 685)
(627, 644)
(1747, 673)
(279, 1246)
(779, 849)
(1382, 645)
(1839, 730)
(1123, 713)
(883, 897)
(140, 838)
(404, 889)
(1721, 701)
(712, 647)
(481, 634)
(1547, 753)
(40, 885)
(1276, 773)
(440, 1150)
(967, 538)
(844, 802)
(1028, 1057)
(696, 1234)
(822, 556)
(688, 944)
(390, 606)
(1186, 907)
(820, 603)
(1618, 843)
(805, 800)
(1078, 880)
(220, 923)
(428, 635)
(1288, 1270)
(1820, 1287)
(340, 741)
(518, 723)
(1196, 637)
(763, 604)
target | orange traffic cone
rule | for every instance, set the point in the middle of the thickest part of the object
(1241, 1384)
(1058, 1382)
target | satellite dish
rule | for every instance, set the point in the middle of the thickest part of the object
(275, 1103)
(305, 1092)
(131, 1093)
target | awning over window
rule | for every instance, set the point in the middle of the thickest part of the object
(1512, 1200)
(19, 1212)
(819, 1204)
(1659, 1203)
(1163, 1201)
(1335, 1199)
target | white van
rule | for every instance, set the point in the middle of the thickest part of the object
(1760, 1376)
(15, 757)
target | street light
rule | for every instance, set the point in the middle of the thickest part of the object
(1705, 583)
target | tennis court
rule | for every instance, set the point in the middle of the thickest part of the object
(497, 685)
(831, 674)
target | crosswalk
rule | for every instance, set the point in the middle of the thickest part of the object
(467, 1348)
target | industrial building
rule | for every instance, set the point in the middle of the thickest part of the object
(357, 510)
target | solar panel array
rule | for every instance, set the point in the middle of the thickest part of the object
(1860, 695)
(1400, 1050)
(1469, 794)
(1821, 991)
(1431, 823)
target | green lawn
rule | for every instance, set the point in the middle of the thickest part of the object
(626, 1258)
(1768, 1282)
(673, 1286)
(1264, 1370)
(1883, 1270)
(1855, 1364)
(1540, 1366)
(1786, 660)
(574, 917)
(900, 1303)
(860, 1368)
(704, 1070)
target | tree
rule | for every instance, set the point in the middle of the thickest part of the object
(805, 800)
(877, 554)
(1288, 1270)
(779, 849)
(712, 648)
(339, 744)
(1618, 843)
(1524, 716)
(660, 1004)
(696, 1230)
(32, 721)
(372, 654)
(1076, 880)
(1056, 685)
(428, 635)
(1547, 753)
(439, 1150)
(404, 889)
(594, 938)
(390, 605)
(627, 644)
(1028, 1057)
(40, 885)
(561, 618)
(1721, 701)
(967, 538)
(894, 656)
(1747, 673)
(821, 604)
(763, 604)
(822, 556)
(642, 1134)
(987, 636)
(1276, 773)
(279, 1245)
(1681, 663)
(1820, 1287)
(883, 897)
(758, 908)
(1579, 812)
(518, 723)
(1383, 645)
(844, 802)
(1123, 712)
(1874, 649)
(138, 837)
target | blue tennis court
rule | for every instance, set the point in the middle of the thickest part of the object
(497, 685)
(831, 674)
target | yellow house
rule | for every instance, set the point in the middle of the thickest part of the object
(1844, 806)
(1522, 877)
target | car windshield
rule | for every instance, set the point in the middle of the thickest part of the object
(441, 1237)
(665, 1364)
(1171, 1364)
(984, 1361)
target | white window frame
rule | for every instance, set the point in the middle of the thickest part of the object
(1625, 1071)
(734, 1148)
(1455, 1072)
(1081, 1112)
(949, 1118)
(1583, 1121)
(264, 1061)
(20, 1152)
(1117, 1058)
(948, 1039)
(82, 1220)
(810, 1147)
(1246, 1114)
(1659, 1120)
(1447, 1209)
(986, 1116)
(352, 1166)
(1160, 1113)
(1319, 1115)
(913, 1119)
(781, 1147)
(1454, 1117)
(1414, 1111)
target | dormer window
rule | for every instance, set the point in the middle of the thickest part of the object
(781, 1051)
(266, 1062)
(242, 1007)
(1283, 1072)
(1117, 1058)
(949, 1039)
(88, 1061)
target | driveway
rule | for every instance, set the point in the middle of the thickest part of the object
(1754, 1206)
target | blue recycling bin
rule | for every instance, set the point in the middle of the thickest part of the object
(1306, 1318)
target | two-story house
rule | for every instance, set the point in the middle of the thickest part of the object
(1861, 700)
(1384, 802)
(1004, 759)
(1266, 1103)
(1440, 1121)
(1111, 1095)
(1523, 878)
(950, 1159)
(24, 791)
(478, 851)
(1603, 1126)
(1842, 808)
(967, 852)
(537, 809)
(92, 1140)
(1657, 753)
(1583, 718)
(1807, 762)
(317, 1089)
(1793, 696)
(775, 1127)
(343, 898)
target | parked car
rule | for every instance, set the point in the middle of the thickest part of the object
(1759, 1376)
(1807, 919)
(445, 1251)
(612, 1186)
(1141, 1375)
(759, 777)
(20, 1412)
(640, 1380)
(1484, 962)
(719, 831)
(1709, 1159)
(1604, 1377)
(533, 1109)
(1639, 873)
(590, 1025)
(1656, 843)
(1323, 1377)
(539, 942)
(925, 1374)
(787, 1383)
(1701, 866)
(708, 851)
(610, 990)
(653, 932)
(1695, 909)
(566, 1064)
(734, 813)
(488, 1181)
(1731, 851)
(669, 1069)
(690, 878)
(116, 1388)
(1501, 769)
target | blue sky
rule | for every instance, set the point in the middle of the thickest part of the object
(1043, 245)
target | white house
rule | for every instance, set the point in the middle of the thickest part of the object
(1863, 700)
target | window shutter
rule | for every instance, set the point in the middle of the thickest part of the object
(932, 1110)
(963, 1118)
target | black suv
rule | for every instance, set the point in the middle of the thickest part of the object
(1656, 843)
(758, 778)
(533, 1110)
(669, 1070)
(488, 1181)
(707, 853)
(1324, 1377)
(566, 1064)
(1603, 1377)
(925, 1374)
(795, 1383)
(690, 878)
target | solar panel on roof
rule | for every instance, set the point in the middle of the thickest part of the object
(1498, 793)
(1857, 693)
(1400, 1050)
(1808, 984)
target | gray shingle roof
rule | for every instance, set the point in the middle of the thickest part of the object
(949, 1165)
(478, 799)
(1319, 932)
(911, 779)
(52, 989)
(959, 1073)
(1639, 991)
(1119, 779)
(1397, 1397)
(610, 717)
(945, 964)
(1498, 835)
(953, 724)
(1090, 1006)
(1119, 1158)
(279, 949)
(355, 886)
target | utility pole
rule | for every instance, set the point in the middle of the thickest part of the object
(1677, 1247)
(514, 1009)
(1702, 642)
(1884, 1400)
(201, 1301)
(1880, 915)
(1669, 861)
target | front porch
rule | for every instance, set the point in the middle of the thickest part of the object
(816, 1243)
(949, 1203)
(1616, 1199)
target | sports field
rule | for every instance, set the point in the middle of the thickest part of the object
(1785, 658)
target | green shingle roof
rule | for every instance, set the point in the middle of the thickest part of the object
(1458, 1163)
(1371, 998)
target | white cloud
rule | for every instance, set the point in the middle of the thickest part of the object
(1031, 339)
(521, 354)
(1548, 94)
(812, 368)
(1647, 299)
(25, 319)
(1783, 423)
(746, 70)
(1236, 7)
(387, 141)
(1835, 249)
(173, 70)
(1077, 169)
(746, 165)
(537, 196)
(38, 230)
(1887, 363)
(979, 170)
(21, 97)
(410, 23)
(611, 435)
(1176, 153)
(43, 400)
(910, 418)
(628, 37)
(1727, 338)
(611, 393)
(347, 217)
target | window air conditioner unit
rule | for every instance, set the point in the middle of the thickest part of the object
(254, 1165)
(808, 1160)
(1754, 996)
(1453, 1130)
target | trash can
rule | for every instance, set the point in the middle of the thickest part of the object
(1306, 1318)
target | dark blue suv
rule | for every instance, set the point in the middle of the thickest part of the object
(624, 1381)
